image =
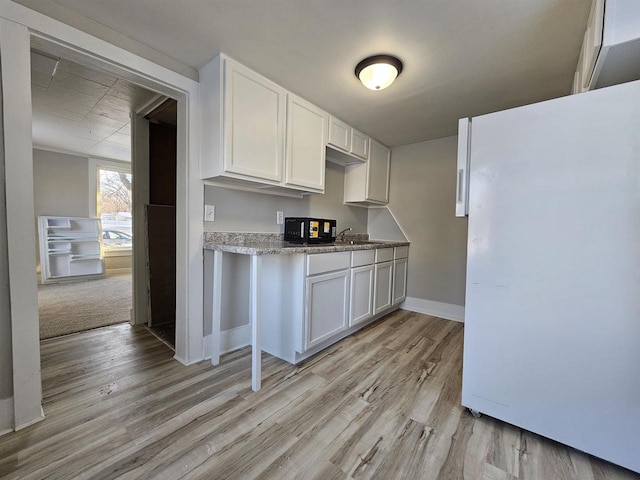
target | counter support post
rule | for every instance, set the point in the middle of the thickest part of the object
(256, 302)
(217, 307)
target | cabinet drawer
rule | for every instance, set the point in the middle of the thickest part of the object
(384, 255)
(400, 252)
(327, 262)
(362, 257)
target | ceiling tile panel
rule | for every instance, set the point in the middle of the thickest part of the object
(40, 79)
(102, 78)
(111, 113)
(110, 101)
(78, 84)
(121, 139)
(84, 111)
(110, 150)
(68, 104)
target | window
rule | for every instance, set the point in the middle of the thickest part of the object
(114, 208)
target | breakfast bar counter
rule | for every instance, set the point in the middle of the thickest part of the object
(256, 246)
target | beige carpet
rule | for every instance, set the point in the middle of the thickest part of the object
(74, 307)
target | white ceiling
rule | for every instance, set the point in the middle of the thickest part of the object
(461, 57)
(84, 111)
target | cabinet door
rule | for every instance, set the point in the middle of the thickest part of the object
(399, 280)
(339, 134)
(306, 140)
(254, 124)
(361, 294)
(359, 144)
(383, 286)
(378, 172)
(462, 178)
(327, 305)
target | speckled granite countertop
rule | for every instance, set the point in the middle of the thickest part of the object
(273, 244)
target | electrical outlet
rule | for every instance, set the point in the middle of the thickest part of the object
(209, 213)
(279, 218)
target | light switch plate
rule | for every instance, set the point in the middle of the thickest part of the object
(209, 213)
(279, 218)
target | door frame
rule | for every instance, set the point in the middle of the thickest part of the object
(18, 26)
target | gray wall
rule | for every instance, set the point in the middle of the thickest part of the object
(60, 184)
(239, 211)
(382, 226)
(422, 197)
(6, 362)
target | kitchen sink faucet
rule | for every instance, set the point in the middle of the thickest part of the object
(341, 234)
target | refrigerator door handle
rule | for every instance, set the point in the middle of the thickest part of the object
(460, 186)
(462, 182)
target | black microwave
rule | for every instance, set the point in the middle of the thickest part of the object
(309, 230)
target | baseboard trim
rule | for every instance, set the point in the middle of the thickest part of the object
(6, 415)
(119, 271)
(447, 311)
(31, 422)
(230, 340)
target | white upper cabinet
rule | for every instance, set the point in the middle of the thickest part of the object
(339, 135)
(347, 145)
(359, 144)
(258, 136)
(242, 124)
(306, 140)
(255, 133)
(378, 172)
(368, 183)
(611, 46)
(254, 123)
(462, 172)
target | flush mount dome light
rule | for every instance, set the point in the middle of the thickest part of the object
(379, 71)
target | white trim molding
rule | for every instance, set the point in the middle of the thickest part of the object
(6, 415)
(18, 25)
(448, 311)
(230, 340)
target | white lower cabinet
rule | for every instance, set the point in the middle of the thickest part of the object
(399, 280)
(361, 294)
(310, 301)
(327, 306)
(384, 284)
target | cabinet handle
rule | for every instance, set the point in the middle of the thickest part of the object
(460, 185)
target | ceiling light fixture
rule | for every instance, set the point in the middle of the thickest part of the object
(379, 71)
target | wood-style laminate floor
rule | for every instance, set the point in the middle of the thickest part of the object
(382, 404)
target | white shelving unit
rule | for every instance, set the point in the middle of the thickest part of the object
(70, 247)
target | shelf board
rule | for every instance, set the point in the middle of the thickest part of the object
(76, 258)
(72, 239)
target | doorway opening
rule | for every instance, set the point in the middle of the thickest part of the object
(21, 30)
(160, 221)
(84, 193)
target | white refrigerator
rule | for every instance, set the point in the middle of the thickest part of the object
(552, 316)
